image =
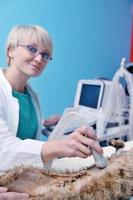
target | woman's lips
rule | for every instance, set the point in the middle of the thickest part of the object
(35, 66)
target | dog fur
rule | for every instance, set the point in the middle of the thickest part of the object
(112, 183)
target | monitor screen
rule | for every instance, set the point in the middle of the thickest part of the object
(89, 95)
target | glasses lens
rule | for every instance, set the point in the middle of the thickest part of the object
(32, 49)
(45, 56)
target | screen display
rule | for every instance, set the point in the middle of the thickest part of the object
(89, 95)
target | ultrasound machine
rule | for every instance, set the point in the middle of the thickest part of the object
(90, 98)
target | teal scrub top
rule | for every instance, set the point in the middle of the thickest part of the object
(28, 123)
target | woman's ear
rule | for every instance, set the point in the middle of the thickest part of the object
(10, 53)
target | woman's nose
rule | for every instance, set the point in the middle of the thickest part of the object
(38, 58)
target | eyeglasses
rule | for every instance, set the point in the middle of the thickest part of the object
(35, 51)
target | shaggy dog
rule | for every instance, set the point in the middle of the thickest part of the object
(111, 183)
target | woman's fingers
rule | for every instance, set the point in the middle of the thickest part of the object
(87, 137)
(88, 142)
(51, 120)
(84, 149)
(81, 154)
(87, 131)
(13, 196)
(95, 145)
(3, 189)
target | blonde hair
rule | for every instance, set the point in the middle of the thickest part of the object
(26, 33)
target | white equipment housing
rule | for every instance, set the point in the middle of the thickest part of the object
(91, 101)
(103, 105)
(92, 93)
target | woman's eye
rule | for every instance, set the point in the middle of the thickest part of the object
(32, 49)
(45, 55)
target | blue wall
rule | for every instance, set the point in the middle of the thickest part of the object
(90, 37)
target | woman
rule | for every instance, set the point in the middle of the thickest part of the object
(29, 49)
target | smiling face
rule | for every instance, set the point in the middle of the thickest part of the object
(28, 50)
(26, 62)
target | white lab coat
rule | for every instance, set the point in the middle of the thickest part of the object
(14, 151)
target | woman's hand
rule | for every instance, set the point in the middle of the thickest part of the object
(51, 121)
(5, 195)
(77, 144)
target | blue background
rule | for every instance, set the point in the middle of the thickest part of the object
(89, 36)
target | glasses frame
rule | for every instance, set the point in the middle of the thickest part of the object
(46, 56)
